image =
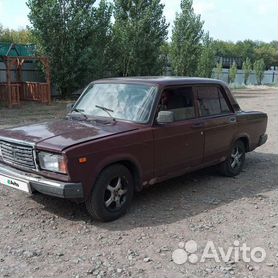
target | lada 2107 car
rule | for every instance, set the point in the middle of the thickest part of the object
(125, 133)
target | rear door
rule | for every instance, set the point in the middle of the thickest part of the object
(220, 121)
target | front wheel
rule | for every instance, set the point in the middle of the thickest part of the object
(112, 193)
(233, 165)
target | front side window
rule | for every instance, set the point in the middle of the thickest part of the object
(211, 101)
(180, 101)
(131, 102)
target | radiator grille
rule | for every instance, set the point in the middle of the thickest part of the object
(17, 154)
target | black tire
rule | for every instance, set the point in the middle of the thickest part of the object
(233, 165)
(112, 193)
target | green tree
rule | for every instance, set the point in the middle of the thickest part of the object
(274, 45)
(218, 71)
(240, 49)
(259, 68)
(70, 32)
(268, 53)
(20, 36)
(164, 57)
(254, 50)
(247, 68)
(140, 30)
(245, 49)
(99, 53)
(233, 72)
(186, 45)
(224, 49)
(207, 59)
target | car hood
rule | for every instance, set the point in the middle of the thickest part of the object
(61, 134)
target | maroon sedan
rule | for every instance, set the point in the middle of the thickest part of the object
(125, 133)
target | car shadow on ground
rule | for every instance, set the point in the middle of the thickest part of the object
(182, 197)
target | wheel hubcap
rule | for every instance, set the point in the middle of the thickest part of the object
(236, 157)
(115, 193)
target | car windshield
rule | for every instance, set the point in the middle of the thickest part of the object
(131, 102)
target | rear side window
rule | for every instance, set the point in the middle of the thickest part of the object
(223, 103)
(211, 101)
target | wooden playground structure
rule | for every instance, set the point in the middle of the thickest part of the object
(14, 89)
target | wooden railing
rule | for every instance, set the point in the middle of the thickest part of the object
(12, 99)
(24, 91)
(36, 91)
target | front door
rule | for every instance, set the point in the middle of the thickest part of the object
(178, 145)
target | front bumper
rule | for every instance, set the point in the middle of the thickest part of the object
(43, 185)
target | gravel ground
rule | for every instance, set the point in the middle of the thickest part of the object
(48, 237)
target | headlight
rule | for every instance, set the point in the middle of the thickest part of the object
(52, 162)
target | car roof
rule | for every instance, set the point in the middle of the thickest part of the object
(161, 80)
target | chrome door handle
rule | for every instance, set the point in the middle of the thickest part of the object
(232, 120)
(198, 125)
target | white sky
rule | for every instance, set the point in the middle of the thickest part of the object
(225, 19)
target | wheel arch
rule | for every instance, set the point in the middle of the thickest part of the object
(134, 170)
(245, 139)
(131, 164)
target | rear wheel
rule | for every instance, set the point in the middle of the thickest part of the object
(112, 193)
(233, 165)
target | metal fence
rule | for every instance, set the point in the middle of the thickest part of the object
(270, 77)
(30, 72)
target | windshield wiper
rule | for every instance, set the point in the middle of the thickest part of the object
(81, 112)
(107, 110)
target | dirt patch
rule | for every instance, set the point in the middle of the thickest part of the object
(48, 237)
(30, 112)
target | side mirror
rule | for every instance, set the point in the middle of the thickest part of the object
(165, 117)
(69, 107)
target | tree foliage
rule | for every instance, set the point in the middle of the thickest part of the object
(186, 40)
(259, 68)
(233, 72)
(247, 68)
(74, 35)
(268, 52)
(22, 36)
(218, 70)
(207, 59)
(140, 29)
(254, 50)
(84, 42)
(164, 58)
